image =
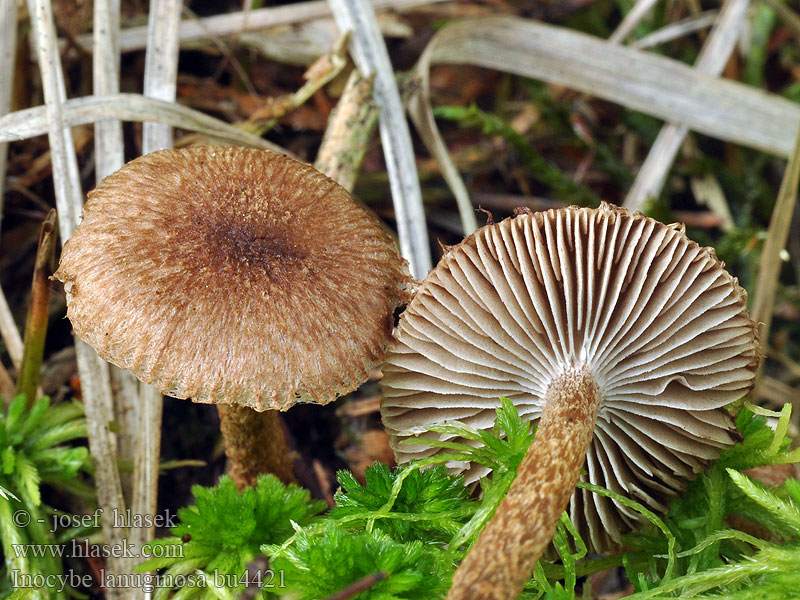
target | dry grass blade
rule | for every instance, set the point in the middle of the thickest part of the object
(777, 234)
(109, 156)
(128, 107)
(677, 30)
(135, 38)
(707, 190)
(776, 393)
(108, 144)
(419, 109)
(303, 43)
(161, 67)
(66, 182)
(370, 55)
(652, 84)
(160, 81)
(713, 57)
(8, 329)
(786, 14)
(93, 371)
(631, 20)
(66, 179)
(98, 400)
(8, 46)
(7, 388)
(323, 70)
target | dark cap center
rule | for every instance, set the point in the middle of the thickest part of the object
(252, 245)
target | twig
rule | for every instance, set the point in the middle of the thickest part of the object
(38, 313)
(349, 130)
(135, 38)
(319, 74)
(370, 55)
(713, 57)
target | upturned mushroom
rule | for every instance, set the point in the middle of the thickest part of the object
(618, 336)
(237, 277)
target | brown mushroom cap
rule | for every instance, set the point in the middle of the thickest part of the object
(233, 275)
(655, 319)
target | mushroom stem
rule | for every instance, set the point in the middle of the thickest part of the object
(505, 553)
(255, 444)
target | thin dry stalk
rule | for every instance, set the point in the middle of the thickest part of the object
(31, 122)
(677, 30)
(655, 85)
(146, 461)
(108, 143)
(66, 179)
(161, 67)
(135, 38)
(631, 20)
(777, 234)
(160, 80)
(93, 371)
(713, 58)
(8, 47)
(7, 387)
(8, 328)
(370, 55)
(320, 73)
(786, 14)
(98, 400)
(109, 156)
(707, 190)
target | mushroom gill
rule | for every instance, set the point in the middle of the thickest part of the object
(615, 306)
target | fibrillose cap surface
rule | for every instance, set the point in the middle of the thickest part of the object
(654, 317)
(233, 275)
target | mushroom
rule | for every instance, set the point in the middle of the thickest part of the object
(620, 337)
(238, 277)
